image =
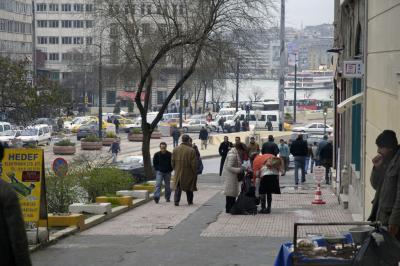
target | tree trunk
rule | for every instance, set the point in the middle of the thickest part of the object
(148, 170)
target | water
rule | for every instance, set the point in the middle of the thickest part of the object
(269, 90)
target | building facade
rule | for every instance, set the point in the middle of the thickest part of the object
(16, 29)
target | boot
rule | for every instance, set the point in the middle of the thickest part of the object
(263, 203)
(269, 201)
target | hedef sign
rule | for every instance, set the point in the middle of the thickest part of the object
(23, 170)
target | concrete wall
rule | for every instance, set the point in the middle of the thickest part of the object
(383, 79)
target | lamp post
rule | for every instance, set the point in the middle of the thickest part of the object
(295, 90)
(100, 91)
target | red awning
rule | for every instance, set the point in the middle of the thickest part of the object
(129, 95)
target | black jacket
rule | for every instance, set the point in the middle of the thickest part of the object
(326, 155)
(299, 148)
(224, 148)
(162, 162)
(176, 134)
(203, 134)
(270, 147)
(13, 240)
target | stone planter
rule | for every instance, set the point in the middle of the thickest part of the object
(156, 135)
(93, 208)
(149, 188)
(137, 194)
(64, 150)
(135, 137)
(121, 201)
(107, 141)
(64, 220)
(86, 145)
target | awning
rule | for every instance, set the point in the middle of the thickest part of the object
(349, 102)
(129, 95)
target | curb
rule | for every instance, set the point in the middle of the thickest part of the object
(91, 222)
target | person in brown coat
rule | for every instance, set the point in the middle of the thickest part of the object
(13, 240)
(184, 163)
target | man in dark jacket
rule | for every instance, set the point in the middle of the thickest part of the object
(203, 136)
(321, 144)
(270, 147)
(299, 149)
(175, 136)
(385, 179)
(326, 159)
(13, 240)
(162, 165)
(223, 150)
(116, 123)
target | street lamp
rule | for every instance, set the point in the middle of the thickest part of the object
(325, 115)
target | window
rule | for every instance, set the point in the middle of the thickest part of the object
(78, 24)
(54, 56)
(53, 7)
(7, 127)
(110, 97)
(53, 24)
(89, 40)
(181, 10)
(89, 23)
(66, 23)
(78, 40)
(66, 40)
(78, 7)
(41, 7)
(66, 56)
(42, 23)
(89, 8)
(272, 118)
(313, 126)
(174, 10)
(149, 9)
(42, 40)
(2, 24)
(161, 97)
(53, 40)
(66, 7)
(142, 9)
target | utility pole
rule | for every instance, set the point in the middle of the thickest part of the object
(34, 58)
(237, 82)
(181, 93)
(295, 90)
(282, 68)
(100, 91)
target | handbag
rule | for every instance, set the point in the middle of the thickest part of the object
(240, 176)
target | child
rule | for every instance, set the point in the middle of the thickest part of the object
(114, 149)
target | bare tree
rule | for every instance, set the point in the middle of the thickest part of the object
(256, 94)
(161, 30)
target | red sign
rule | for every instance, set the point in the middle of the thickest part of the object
(130, 95)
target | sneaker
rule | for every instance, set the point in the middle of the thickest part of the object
(264, 211)
(190, 203)
(268, 211)
(176, 203)
(303, 181)
(156, 200)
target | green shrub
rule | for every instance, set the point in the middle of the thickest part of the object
(136, 131)
(64, 142)
(91, 138)
(107, 180)
(63, 191)
(110, 135)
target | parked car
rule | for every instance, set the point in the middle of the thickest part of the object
(52, 123)
(38, 134)
(134, 165)
(317, 128)
(88, 129)
(195, 126)
(7, 137)
(129, 124)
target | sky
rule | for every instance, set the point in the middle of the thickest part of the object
(308, 12)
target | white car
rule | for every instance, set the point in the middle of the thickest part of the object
(318, 128)
(195, 126)
(130, 124)
(7, 137)
(215, 124)
(38, 134)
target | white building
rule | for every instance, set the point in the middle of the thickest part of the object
(16, 29)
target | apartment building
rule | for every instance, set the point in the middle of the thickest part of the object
(16, 29)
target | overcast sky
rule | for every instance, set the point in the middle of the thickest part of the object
(310, 12)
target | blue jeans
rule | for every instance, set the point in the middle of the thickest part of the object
(175, 142)
(299, 163)
(160, 177)
(306, 163)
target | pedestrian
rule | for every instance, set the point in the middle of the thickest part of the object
(253, 147)
(284, 154)
(299, 150)
(13, 240)
(162, 163)
(321, 144)
(314, 150)
(220, 124)
(116, 123)
(231, 174)
(268, 125)
(237, 125)
(266, 169)
(209, 117)
(203, 136)
(109, 120)
(237, 141)
(326, 157)
(223, 150)
(115, 148)
(184, 162)
(60, 124)
(270, 146)
(385, 179)
(175, 136)
(200, 165)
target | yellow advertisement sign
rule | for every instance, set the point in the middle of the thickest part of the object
(23, 169)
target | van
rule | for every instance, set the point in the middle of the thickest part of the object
(38, 134)
(5, 126)
(169, 116)
(264, 116)
(226, 111)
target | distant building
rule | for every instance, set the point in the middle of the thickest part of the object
(16, 29)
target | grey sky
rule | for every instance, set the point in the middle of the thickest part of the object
(310, 12)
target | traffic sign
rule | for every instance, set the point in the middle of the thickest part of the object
(60, 167)
(319, 173)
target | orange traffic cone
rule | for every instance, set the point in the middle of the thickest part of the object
(318, 196)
